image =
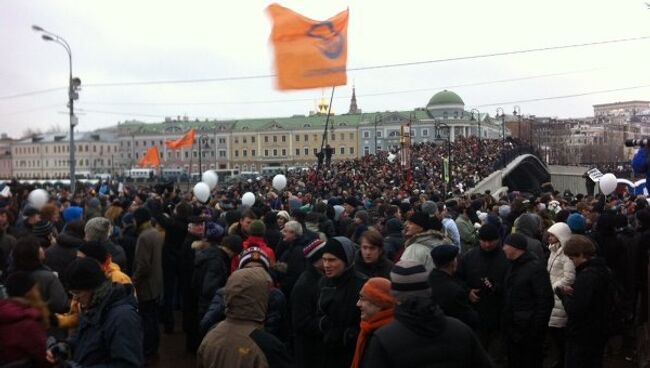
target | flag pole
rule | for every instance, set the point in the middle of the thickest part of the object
(324, 140)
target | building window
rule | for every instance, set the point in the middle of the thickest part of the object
(306, 151)
(236, 140)
(351, 149)
(222, 153)
(297, 151)
(315, 150)
(244, 140)
(275, 152)
(252, 139)
(379, 134)
(284, 152)
(366, 134)
(297, 137)
(253, 153)
(266, 153)
(306, 137)
(275, 139)
(351, 136)
(425, 132)
(266, 139)
(342, 149)
(366, 151)
(284, 138)
(245, 153)
(222, 140)
(236, 153)
(413, 133)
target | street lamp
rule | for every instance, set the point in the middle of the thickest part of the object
(517, 112)
(203, 140)
(478, 120)
(378, 118)
(501, 114)
(438, 125)
(73, 87)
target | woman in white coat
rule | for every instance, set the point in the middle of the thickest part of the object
(562, 272)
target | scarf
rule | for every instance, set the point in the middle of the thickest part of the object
(99, 295)
(380, 319)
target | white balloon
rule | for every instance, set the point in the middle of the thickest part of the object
(210, 177)
(279, 182)
(608, 183)
(38, 198)
(248, 199)
(202, 192)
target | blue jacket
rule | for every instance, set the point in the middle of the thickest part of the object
(111, 336)
(640, 165)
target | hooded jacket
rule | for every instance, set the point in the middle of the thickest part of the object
(106, 333)
(22, 333)
(561, 270)
(304, 317)
(239, 341)
(421, 336)
(418, 247)
(528, 225)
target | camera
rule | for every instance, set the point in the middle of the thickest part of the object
(637, 142)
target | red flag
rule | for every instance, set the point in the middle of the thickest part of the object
(185, 141)
(151, 158)
(309, 53)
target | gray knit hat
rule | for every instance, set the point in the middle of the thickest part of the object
(409, 279)
(430, 208)
(97, 229)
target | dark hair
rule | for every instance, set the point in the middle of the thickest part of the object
(391, 211)
(249, 213)
(25, 254)
(373, 237)
(183, 210)
(579, 244)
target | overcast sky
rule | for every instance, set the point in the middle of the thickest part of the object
(137, 41)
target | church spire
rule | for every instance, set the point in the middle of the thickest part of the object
(354, 109)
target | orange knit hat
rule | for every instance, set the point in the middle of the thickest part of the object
(377, 290)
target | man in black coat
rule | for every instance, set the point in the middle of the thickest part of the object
(588, 304)
(527, 306)
(60, 254)
(175, 232)
(304, 303)
(337, 300)
(483, 270)
(446, 291)
(371, 260)
(421, 335)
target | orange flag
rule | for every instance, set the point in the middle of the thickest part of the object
(309, 53)
(185, 141)
(151, 158)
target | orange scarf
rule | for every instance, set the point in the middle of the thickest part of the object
(380, 319)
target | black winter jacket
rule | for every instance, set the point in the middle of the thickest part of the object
(528, 299)
(421, 336)
(308, 338)
(59, 255)
(477, 264)
(452, 298)
(340, 316)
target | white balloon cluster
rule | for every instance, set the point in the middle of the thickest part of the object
(210, 177)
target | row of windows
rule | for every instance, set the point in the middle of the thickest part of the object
(62, 149)
(61, 163)
(152, 142)
(395, 133)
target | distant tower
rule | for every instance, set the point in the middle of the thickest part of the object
(354, 109)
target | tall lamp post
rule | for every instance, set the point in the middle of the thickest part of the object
(517, 112)
(73, 86)
(203, 140)
(439, 125)
(502, 115)
(478, 120)
(378, 118)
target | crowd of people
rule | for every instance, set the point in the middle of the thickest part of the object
(350, 267)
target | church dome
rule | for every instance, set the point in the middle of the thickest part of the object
(445, 98)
